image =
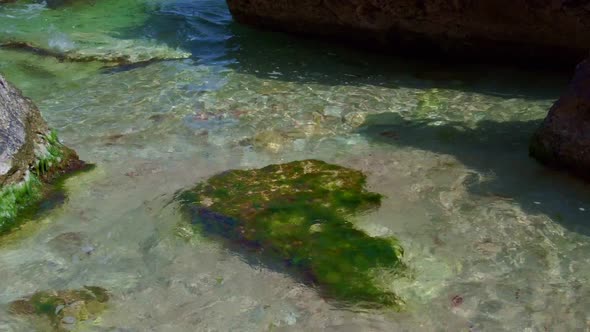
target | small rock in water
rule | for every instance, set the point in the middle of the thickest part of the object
(88, 249)
(68, 320)
(59, 308)
(271, 141)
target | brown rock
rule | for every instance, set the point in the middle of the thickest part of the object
(502, 30)
(563, 140)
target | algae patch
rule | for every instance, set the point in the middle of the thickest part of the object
(54, 163)
(64, 309)
(299, 213)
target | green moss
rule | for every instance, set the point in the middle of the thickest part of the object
(45, 177)
(297, 212)
(14, 199)
(54, 306)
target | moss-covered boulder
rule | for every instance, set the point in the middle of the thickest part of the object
(299, 213)
(62, 310)
(31, 157)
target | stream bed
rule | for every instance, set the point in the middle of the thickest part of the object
(494, 241)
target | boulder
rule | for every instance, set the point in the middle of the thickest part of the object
(31, 156)
(300, 213)
(502, 30)
(563, 140)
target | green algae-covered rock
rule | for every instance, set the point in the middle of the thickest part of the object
(64, 309)
(298, 212)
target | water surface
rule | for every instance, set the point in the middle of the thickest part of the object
(446, 145)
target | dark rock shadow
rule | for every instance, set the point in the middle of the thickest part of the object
(501, 150)
(206, 29)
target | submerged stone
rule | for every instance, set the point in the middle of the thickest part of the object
(299, 213)
(31, 157)
(96, 47)
(64, 308)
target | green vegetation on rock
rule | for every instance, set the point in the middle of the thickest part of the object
(63, 309)
(298, 212)
(53, 161)
(16, 198)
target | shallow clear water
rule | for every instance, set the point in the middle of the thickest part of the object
(446, 144)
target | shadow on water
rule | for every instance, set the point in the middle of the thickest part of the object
(206, 29)
(497, 149)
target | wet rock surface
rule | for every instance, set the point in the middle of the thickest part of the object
(299, 213)
(563, 140)
(491, 29)
(30, 156)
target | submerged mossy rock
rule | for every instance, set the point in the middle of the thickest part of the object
(31, 156)
(63, 310)
(298, 212)
(96, 47)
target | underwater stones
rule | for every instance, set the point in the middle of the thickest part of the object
(31, 156)
(563, 139)
(271, 141)
(62, 310)
(299, 213)
(497, 30)
(104, 49)
(72, 244)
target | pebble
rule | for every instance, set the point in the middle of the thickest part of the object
(59, 308)
(88, 249)
(68, 320)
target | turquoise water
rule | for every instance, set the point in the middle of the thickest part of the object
(446, 145)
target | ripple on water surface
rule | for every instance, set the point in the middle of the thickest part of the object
(493, 241)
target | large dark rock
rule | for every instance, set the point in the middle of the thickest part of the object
(563, 140)
(31, 156)
(502, 30)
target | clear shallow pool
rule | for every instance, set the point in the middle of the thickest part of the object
(446, 145)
